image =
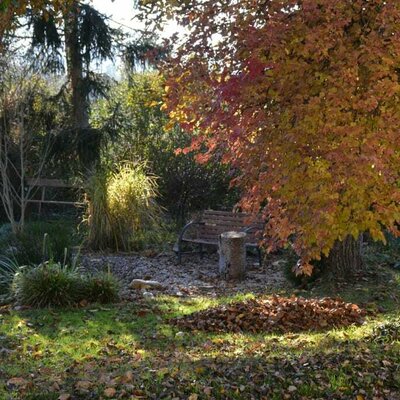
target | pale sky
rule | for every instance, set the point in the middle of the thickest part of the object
(120, 10)
(123, 12)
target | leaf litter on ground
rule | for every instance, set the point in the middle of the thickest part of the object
(275, 314)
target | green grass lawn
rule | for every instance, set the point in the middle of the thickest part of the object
(131, 351)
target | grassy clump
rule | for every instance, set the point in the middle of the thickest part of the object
(101, 288)
(48, 285)
(8, 268)
(52, 284)
(121, 206)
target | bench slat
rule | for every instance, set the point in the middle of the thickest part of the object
(215, 242)
(216, 222)
(215, 212)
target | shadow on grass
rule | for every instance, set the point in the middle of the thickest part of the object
(341, 373)
(77, 344)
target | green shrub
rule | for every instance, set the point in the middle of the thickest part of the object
(133, 113)
(8, 269)
(121, 206)
(49, 284)
(27, 247)
(378, 253)
(159, 239)
(101, 288)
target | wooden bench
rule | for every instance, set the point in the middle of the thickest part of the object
(206, 230)
(43, 183)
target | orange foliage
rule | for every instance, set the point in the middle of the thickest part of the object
(304, 98)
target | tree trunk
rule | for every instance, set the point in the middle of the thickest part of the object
(345, 258)
(80, 117)
(232, 255)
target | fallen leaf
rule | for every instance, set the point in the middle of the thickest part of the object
(83, 385)
(17, 382)
(207, 390)
(110, 392)
(127, 377)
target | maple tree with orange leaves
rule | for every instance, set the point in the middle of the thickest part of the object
(303, 97)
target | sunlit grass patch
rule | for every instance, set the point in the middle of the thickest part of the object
(69, 345)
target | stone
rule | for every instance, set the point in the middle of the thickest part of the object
(144, 284)
(6, 352)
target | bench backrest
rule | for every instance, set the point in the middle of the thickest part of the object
(217, 222)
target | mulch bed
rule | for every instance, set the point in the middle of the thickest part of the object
(275, 314)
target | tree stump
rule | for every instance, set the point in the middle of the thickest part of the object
(232, 255)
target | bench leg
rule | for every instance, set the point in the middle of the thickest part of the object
(179, 256)
(201, 251)
(259, 256)
(178, 251)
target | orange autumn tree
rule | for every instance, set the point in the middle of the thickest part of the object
(303, 97)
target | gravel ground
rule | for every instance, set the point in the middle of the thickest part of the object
(193, 277)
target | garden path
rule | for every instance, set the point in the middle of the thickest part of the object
(193, 277)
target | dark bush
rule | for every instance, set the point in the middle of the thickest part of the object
(133, 113)
(101, 288)
(27, 248)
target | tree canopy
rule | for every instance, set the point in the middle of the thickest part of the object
(10, 10)
(304, 98)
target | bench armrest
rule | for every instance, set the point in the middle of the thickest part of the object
(187, 226)
(251, 228)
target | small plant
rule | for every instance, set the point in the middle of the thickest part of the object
(8, 269)
(101, 288)
(49, 284)
(387, 332)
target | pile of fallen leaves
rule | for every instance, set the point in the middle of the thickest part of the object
(275, 314)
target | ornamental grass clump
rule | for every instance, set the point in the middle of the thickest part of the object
(8, 268)
(50, 284)
(121, 205)
(101, 288)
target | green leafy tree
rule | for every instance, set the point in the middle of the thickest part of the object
(133, 114)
